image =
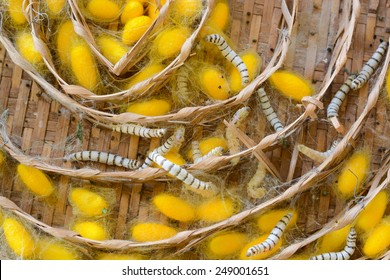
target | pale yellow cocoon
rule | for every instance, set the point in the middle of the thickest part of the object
(66, 36)
(131, 10)
(135, 28)
(174, 207)
(25, 45)
(88, 203)
(55, 6)
(15, 10)
(151, 232)
(111, 48)
(226, 244)
(169, 42)
(18, 238)
(213, 83)
(216, 209)
(373, 212)
(35, 180)
(263, 255)
(267, 221)
(152, 107)
(91, 230)
(333, 241)
(49, 249)
(145, 73)
(84, 66)
(378, 240)
(104, 10)
(220, 16)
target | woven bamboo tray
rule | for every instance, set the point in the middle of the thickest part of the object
(40, 127)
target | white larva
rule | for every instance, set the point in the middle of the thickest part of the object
(370, 66)
(268, 111)
(337, 100)
(138, 130)
(272, 239)
(316, 155)
(254, 188)
(182, 174)
(344, 254)
(230, 55)
(103, 157)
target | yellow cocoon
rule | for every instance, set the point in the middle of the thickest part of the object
(252, 61)
(373, 213)
(135, 28)
(213, 83)
(55, 6)
(175, 157)
(91, 230)
(153, 11)
(379, 239)
(131, 10)
(334, 241)
(226, 244)
(291, 84)
(174, 207)
(25, 45)
(88, 203)
(152, 107)
(111, 48)
(48, 249)
(15, 9)
(18, 238)
(104, 10)
(65, 38)
(262, 255)
(267, 221)
(186, 8)
(151, 232)
(220, 16)
(216, 209)
(84, 66)
(169, 42)
(145, 73)
(207, 144)
(35, 180)
(113, 256)
(354, 173)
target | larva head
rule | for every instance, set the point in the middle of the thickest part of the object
(144, 232)
(50, 249)
(186, 9)
(333, 241)
(135, 28)
(216, 209)
(103, 10)
(267, 221)
(55, 6)
(111, 48)
(91, 230)
(131, 10)
(291, 84)
(117, 256)
(170, 41)
(220, 16)
(174, 207)
(226, 244)
(35, 180)
(25, 45)
(66, 36)
(88, 203)
(145, 73)
(15, 10)
(354, 173)
(152, 107)
(263, 255)
(213, 83)
(378, 240)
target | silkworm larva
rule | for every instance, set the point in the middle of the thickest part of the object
(103, 157)
(181, 94)
(138, 130)
(370, 66)
(217, 151)
(268, 111)
(230, 55)
(254, 188)
(316, 155)
(337, 100)
(196, 153)
(272, 239)
(344, 254)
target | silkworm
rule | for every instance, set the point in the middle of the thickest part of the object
(272, 239)
(370, 66)
(344, 254)
(103, 157)
(138, 130)
(268, 111)
(337, 100)
(182, 94)
(254, 188)
(316, 155)
(230, 55)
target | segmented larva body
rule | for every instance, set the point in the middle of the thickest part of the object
(370, 66)
(316, 155)
(230, 55)
(182, 174)
(196, 153)
(253, 187)
(337, 100)
(272, 239)
(138, 130)
(103, 157)
(344, 254)
(182, 94)
(217, 151)
(268, 111)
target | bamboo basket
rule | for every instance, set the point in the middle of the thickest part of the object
(30, 135)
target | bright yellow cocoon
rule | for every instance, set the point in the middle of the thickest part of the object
(291, 84)
(216, 209)
(334, 241)
(220, 16)
(207, 144)
(186, 8)
(226, 244)
(354, 173)
(111, 48)
(103, 9)
(147, 72)
(35, 180)
(135, 28)
(15, 9)
(84, 66)
(379, 239)
(267, 221)
(213, 83)
(18, 238)
(113, 256)
(48, 249)
(131, 10)
(260, 256)
(91, 230)
(152, 107)
(65, 38)
(88, 203)
(252, 61)
(151, 232)
(25, 45)
(169, 42)
(373, 213)
(174, 207)
(55, 6)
